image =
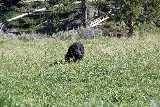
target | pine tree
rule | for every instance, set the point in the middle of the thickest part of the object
(131, 11)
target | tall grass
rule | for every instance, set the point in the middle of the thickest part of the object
(115, 72)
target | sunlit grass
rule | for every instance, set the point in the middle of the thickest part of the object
(114, 72)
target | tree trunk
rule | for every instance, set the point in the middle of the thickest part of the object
(130, 25)
(83, 12)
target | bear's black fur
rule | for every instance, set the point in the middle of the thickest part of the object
(75, 51)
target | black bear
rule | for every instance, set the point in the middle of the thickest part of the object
(75, 51)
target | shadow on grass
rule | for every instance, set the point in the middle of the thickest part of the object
(62, 62)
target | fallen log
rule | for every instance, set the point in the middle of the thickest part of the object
(27, 13)
(96, 22)
(2, 25)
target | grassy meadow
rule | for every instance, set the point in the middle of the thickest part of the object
(115, 72)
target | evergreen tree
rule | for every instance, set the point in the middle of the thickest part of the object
(59, 14)
(131, 11)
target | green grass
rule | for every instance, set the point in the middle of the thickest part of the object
(115, 72)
